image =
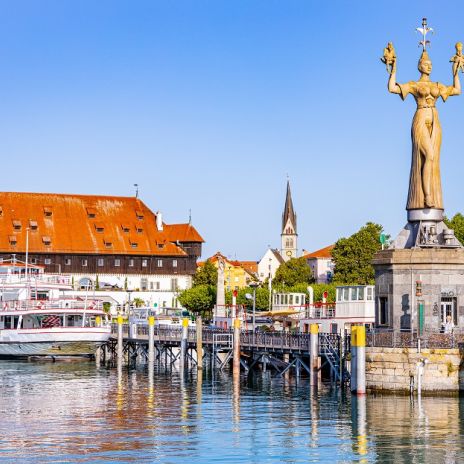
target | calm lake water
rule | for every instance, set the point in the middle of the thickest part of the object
(77, 412)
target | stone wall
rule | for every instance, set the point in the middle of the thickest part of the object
(391, 369)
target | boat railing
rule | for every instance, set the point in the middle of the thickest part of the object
(44, 305)
(36, 280)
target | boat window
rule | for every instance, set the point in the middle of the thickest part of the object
(354, 294)
(369, 293)
(290, 299)
(346, 294)
(7, 322)
(360, 293)
(297, 299)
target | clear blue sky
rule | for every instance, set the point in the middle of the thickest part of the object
(209, 104)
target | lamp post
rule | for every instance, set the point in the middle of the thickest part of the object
(253, 285)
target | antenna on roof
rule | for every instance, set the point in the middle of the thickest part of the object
(136, 190)
(190, 216)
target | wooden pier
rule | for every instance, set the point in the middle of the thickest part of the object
(281, 352)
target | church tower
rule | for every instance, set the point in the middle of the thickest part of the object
(288, 236)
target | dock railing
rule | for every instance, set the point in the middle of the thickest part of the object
(396, 339)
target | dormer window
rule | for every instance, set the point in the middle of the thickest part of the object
(1, 211)
(139, 229)
(99, 227)
(139, 214)
(16, 224)
(46, 240)
(125, 228)
(160, 246)
(12, 239)
(133, 244)
(33, 224)
(108, 243)
(91, 212)
(47, 211)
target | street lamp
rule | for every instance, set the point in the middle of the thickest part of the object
(253, 285)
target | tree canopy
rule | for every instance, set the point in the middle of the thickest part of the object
(206, 274)
(293, 272)
(199, 299)
(353, 256)
(457, 224)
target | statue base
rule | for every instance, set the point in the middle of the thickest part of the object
(426, 229)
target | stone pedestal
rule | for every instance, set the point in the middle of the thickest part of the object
(411, 282)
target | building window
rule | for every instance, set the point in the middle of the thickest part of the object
(134, 244)
(159, 263)
(84, 262)
(33, 260)
(144, 284)
(33, 224)
(117, 262)
(139, 229)
(174, 263)
(383, 310)
(108, 243)
(91, 213)
(144, 262)
(47, 211)
(139, 214)
(157, 285)
(125, 228)
(47, 261)
(16, 224)
(99, 227)
(173, 285)
(46, 240)
(100, 262)
(131, 262)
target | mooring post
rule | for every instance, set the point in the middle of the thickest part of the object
(314, 353)
(120, 340)
(184, 343)
(199, 343)
(236, 362)
(354, 360)
(361, 360)
(151, 340)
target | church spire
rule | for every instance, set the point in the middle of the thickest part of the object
(289, 235)
(289, 212)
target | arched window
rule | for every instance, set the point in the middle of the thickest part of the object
(85, 283)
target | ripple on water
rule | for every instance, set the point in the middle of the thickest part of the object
(61, 412)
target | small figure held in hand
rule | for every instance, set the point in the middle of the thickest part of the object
(389, 57)
(458, 59)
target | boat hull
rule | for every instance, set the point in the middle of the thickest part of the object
(17, 343)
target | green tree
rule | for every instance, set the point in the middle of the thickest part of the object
(457, 224)
(206, 274)
(138, 302)
(353, 256)
(294, 271)
(262, 298)
(97, 283)
(199, 300)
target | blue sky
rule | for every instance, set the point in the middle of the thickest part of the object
(208, 105)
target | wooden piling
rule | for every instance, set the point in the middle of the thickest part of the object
(199, 343)
(236, 361)
(120, 339)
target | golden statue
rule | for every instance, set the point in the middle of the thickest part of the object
(425, 183)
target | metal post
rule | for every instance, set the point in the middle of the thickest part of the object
(184, 343)
(254, 316)
(360, 341)
(354, 360)
(199, 343)
(120, 341)
(236, 362)
(151, 340)
(314, 353)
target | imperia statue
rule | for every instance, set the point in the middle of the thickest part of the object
(425, 183)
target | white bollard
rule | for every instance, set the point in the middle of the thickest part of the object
(151, 340)
(120, 339)
(314, 354)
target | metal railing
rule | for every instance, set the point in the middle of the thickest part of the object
(395, 339)
(44, 305)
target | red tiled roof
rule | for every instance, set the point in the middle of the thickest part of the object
(183, 233)
(322, 253)
(249, 266)
(85, 224)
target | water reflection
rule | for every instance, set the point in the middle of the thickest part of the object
(75, 411)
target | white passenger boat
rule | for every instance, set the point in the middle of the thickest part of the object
(36, 319)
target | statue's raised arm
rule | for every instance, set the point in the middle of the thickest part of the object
(425, 184)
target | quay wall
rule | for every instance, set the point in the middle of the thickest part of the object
(393, 369)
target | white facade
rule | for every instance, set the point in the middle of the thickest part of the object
(289, 239)
(269, 264)
(322, 269)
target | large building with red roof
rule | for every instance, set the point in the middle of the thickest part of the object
(105, 236)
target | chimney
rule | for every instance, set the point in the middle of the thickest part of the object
(159, 221)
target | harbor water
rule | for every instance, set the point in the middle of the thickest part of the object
(80, 412)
